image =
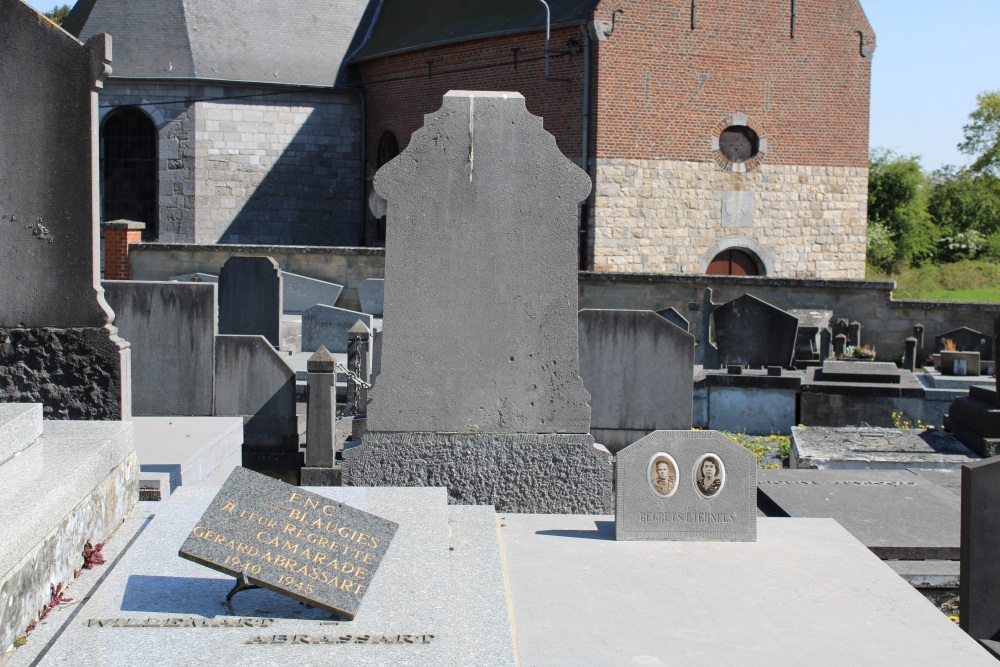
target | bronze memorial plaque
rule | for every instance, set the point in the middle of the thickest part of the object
(277, 536)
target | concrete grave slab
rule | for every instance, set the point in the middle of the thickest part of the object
(371, 292)
(686, 603)
(250, 298)
(857, 396)
(20, 425)
(866, 372)
(327, 326)
(189, 450)
(896, 514)
(300, 293)
(638, 369)
(686, 485)
(862, 448)
(751, 332)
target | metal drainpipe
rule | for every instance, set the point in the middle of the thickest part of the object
(548, 24)
(585, 224)
(364, 164)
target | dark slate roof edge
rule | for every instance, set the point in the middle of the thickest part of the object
(458, 40)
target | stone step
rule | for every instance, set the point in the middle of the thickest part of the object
(74, 484)
(20, 425)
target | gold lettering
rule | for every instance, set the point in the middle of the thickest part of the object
(311, 504)
(229, 506)
(297, 515)
(294, 496)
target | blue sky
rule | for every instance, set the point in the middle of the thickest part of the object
(933, 57)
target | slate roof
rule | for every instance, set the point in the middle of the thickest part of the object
(407, 25)
(297, 42)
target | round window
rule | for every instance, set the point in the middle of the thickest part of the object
(738, 143)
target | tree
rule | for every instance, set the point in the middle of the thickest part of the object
(982, 135)
(897, 211)
(965, 206)
(58, 14)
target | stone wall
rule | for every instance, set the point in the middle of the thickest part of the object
(240, 164)
(666, 216)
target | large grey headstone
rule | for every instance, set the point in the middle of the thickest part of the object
(299, 293)
(638, 368)
(171, 327)
(326, 326)
(966, 340)
(482, 220)
(751, 332)
(250, 298)
(979, 581)
(371, 292)
(665, 489)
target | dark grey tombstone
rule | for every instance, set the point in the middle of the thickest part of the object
(256, 525)
(171, 327)
(854, 334)
(638, 368)
(918, 333)
(979, 582)
(966, 340)
(825, 344)
(484, 408)
(59, 349)
(250, 298)
(839, 345)
(751, 332)
(841, 327)
(330, 327)
(811, 322)
(661, 493)
(671, 315)
(910, 354)
(706, 353)
(975, 419)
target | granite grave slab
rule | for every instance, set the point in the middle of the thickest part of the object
(751, 332)
(291, 541)
(327, 326)
(869, 448)
(686, 485)
(895, 513)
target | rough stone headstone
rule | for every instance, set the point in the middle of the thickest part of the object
(895, 513)
(371, 293)
(966, 340)
(328, 327)
(250, 298)
(686, 485)
(979, 580)
(171, 327)
(671, 315)
(751, 332)
(267, 533)
(489, 407)
(58, 349)
(910, 354)
(638, 368)
(299, 293)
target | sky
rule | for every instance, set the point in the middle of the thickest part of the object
(933, 57)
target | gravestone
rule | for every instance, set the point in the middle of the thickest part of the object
(264, 532)
(979, 581)
(975, 418)
(895, 513)
(321, 422)
(706, 353)
(686, 485)
(495, 409)
(299, 293)
(807, 340)
(751, 332)
(857, 393)
(250, 298)
(57, 347)
(966, 340)
(671, 315)
(918, 333)
(638, 368)
(371, 293)
(326, 326)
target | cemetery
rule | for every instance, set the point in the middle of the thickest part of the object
(465, 452)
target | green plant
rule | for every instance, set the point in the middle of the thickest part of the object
(20, 641)
(858, 352)
(899, 420)
(772, 451)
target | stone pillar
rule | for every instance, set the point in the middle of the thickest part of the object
(854, 334)
(357, 362)
(918, 333)
(910, 354)
(118, 236)
(321, 369)
(839, 345)
(824, 344)
(705, 353)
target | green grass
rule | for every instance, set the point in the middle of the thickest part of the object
(968, 280)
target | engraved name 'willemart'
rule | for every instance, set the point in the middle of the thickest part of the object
(280, 537)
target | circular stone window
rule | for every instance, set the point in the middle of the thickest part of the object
(739, 143)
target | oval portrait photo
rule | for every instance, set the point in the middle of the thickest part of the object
(709, 475)
(662, 475)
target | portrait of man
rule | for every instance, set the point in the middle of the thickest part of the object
(662, 475)
(709, 475)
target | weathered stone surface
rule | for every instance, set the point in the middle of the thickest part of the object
(483, 174)
(73, 373)
(979, 587)
(868, 372)
(539, 473)
(250, 298)
(371, 292)
(854, 448)
(326, 326)
(20, 425)
(638, 368)
(299, 293)
(671, 315)
(681, 503)
(753, 333)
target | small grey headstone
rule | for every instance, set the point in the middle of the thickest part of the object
(666, 488)
(328, 327)
(371, 292)
(299, 293)
(753, 333)
(313, 549)
(671, 315)
(250, 298)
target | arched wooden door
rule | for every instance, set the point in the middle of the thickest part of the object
(733, 262)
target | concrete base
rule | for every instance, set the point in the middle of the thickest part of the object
(190, 450)
(75, 484)
(688, 603)
(320, 476)
(441, 581)
(854, 448)
(514, 472)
